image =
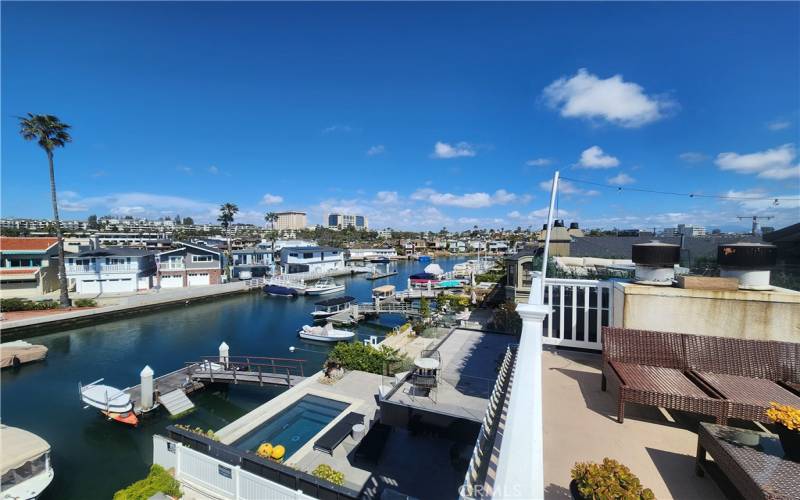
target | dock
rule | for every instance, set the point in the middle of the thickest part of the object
(179, 380)
(377, 276)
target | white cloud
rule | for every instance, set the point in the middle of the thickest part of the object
(621, 179)
(376, 150)
(537, 215)
(539, 162)
(613, 100)
(445, 150)
(386, 197)
(337, 128)
(594, 157)
(271, 199)
(468, 200)
(140, 204)
(779, 124)
(693, 157)
(567, 188)
(184, 169)
(213, 170)
(776, 163)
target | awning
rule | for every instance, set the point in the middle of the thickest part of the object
(19, 274)
(20, 446)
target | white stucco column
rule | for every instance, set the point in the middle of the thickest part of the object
(520, 470)
(223, 354)
(146, 396)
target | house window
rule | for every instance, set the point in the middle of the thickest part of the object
(308, 255)
(201, 258)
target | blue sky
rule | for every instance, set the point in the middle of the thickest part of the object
(417, 115)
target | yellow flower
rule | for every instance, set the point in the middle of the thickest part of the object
(785, 415)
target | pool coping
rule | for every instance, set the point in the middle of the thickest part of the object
(250, 421)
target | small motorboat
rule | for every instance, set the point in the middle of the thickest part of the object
(26, 466)
(424, 258)
(112, 402)
(279, 291)
(327, 308)
(380, 260)
(324, 287)
(20, 352)
(325, 333)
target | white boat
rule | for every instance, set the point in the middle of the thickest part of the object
(328, 308)
(324, 286)
(112, 402)
(25, 460)
(325, 333)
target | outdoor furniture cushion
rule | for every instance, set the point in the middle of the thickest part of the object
(750, 391)
(657, 379)
(336, 434)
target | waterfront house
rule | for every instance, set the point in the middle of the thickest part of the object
(25, 266)
(497, 247)
(191, 264)
(311, 259)
(252, 262)
(150, 240)
(369, 253)
(111, 270)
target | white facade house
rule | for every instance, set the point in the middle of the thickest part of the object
(111, 270)
(497, 247)
(311, 259)
(367, 253)
(282, 243)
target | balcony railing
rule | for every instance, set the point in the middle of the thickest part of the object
(172, 266)
(101, 268)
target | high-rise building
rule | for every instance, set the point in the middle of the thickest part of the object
(341, 221)
(291, 221)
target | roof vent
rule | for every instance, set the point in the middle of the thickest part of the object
(747, 262)
(558, 223)
(573, 225)
(655, 262)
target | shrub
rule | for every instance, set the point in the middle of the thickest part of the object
(157, 481)
(329, 474)
(609, 480)
(357, 356)
(455, 303)
(84, 303)
(506, 319)
(17, 304)
(197, 430)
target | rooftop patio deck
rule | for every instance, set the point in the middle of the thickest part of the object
(469, 361)
(580, 425)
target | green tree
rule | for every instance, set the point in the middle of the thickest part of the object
(91, 222)
(188, 221)
(50, 133)
(177, 220)
(424, 307)
(227, 212)
(271, 218)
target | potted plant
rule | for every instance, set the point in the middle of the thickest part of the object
(608, 480)
(787, 426)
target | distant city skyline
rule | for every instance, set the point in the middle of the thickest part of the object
(416, 116)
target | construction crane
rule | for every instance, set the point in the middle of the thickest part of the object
(755, 219)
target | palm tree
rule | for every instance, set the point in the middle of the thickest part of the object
(50, 133)
(226, 214)
(272, 218)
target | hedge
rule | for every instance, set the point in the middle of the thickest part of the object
(157, 481)
(17, 304)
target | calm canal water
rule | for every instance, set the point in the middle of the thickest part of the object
(92, 457)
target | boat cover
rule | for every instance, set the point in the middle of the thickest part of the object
(336, 301)
(24, 351)
(19, 446)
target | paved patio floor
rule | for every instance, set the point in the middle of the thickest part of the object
(580, 424)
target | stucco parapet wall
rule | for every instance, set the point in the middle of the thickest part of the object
(776, 295)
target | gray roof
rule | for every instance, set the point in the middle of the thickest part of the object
(619, 247)
(525, 252)
(250, 250)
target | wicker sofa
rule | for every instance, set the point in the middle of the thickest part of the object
(717, 376)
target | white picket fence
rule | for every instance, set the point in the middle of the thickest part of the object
(580, 309)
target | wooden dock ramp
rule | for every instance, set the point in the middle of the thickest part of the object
(176, 402)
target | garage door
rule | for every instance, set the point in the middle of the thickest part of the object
(112, 285)
(172, 282)
(196, 279)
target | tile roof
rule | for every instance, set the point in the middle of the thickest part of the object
(29, 270)
(15, 243)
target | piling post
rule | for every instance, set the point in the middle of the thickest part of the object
(146, 388)
(223, 354)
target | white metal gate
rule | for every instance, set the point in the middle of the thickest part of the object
(580, 308)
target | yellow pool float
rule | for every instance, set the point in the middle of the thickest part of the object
(265, 450)
(278, 452)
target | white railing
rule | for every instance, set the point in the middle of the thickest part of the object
(214, 476)
(169, 266)
(580, 309)
(101, 268)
